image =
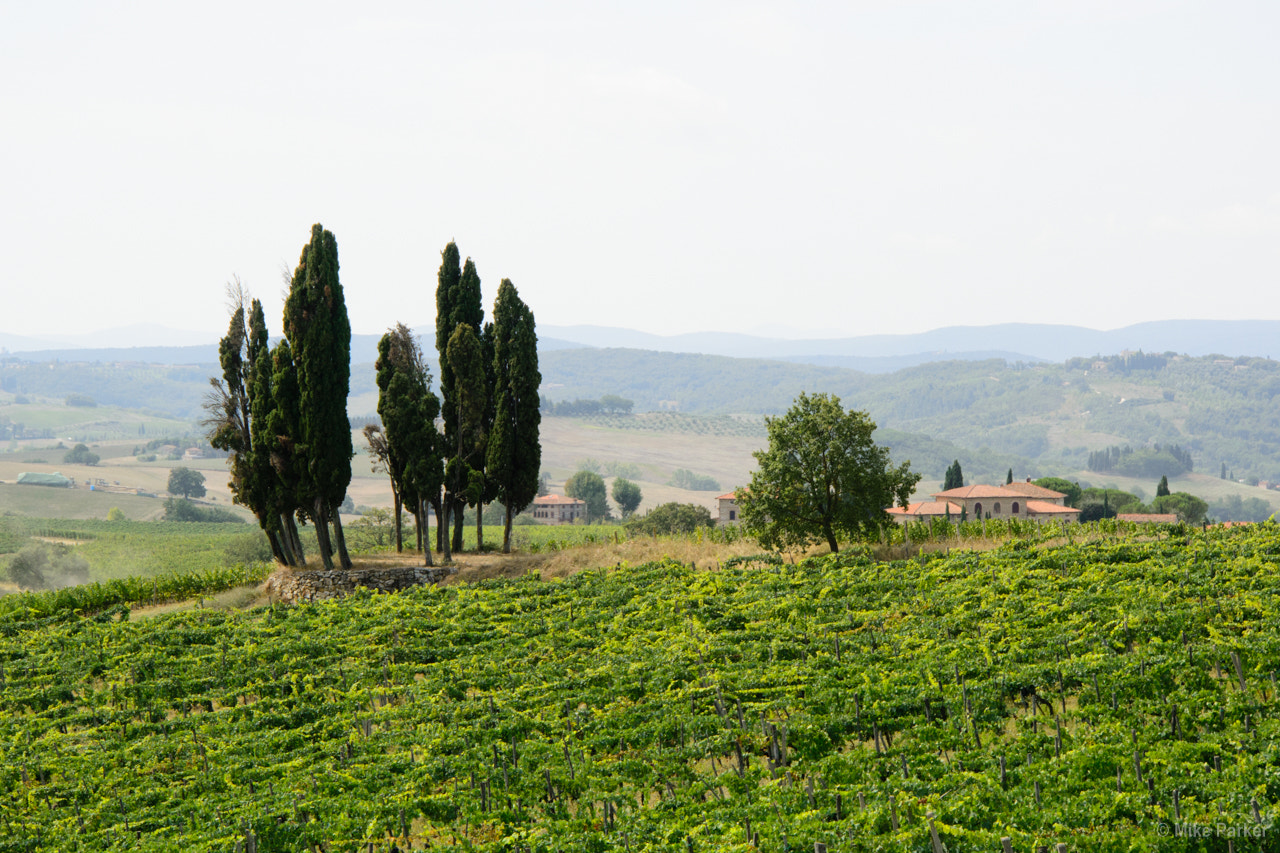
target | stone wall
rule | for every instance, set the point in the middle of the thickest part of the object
(290, 586)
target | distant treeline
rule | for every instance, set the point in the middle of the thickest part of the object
(609, 404)
(1154, 461)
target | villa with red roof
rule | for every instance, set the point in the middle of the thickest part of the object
(554, 509)
(1015, 500)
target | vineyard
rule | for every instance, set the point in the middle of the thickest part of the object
(1110, 695)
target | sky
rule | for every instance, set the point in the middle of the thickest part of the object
(794, 169)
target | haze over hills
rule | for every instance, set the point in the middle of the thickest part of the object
(1014, 342)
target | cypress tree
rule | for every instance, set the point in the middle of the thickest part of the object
(514, 452)
(233, 416)
(408, 409)
(315, 321)
(458, 304)
(1009, 478)
(468, 403)
(1162, 488)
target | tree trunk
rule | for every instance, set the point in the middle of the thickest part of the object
(399, 505)
(446, 553)
(506, 532)
(439, 514)
(831, 538)
(423, 541)
(291, 541)
(458, 507)
(321, 520)
(276, 552)
(479, 527)
(344, 559)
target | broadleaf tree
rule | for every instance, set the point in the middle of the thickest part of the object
(626, 495)
(821, 477)
(514, 453)
(588, 486)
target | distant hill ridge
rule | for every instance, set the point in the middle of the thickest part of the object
(1027, 342)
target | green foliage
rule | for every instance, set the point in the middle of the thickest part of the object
(626, 495)
(1058, 484)
(671, 518)
(820, 477)
(954, 478)
(45, 566)
(186, 482)
(514, 454)
(81, 401)
(1189, 508)
(248, 549)
(682, 478)
(319, 333)
(1162, 488)
(691, 703)
(81, 455)
(1233, 508)
(115, 514)
(181, 509)
(589, 487)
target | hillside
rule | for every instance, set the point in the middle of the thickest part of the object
(1038, 418)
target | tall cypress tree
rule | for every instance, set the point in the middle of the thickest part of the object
(280, 418)
(315, 321)
(470, 398)
(458, 304)
(514, 454)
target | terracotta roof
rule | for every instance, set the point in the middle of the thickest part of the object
(1149, 517)
(938, 508)
(729, 496)
(1046, 508)
(976, 492)
(1031, 490)
(555, 500)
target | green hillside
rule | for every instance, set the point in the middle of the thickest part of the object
(1106, 697)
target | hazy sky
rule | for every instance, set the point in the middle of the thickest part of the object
(846, 168)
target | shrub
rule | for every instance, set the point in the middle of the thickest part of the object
(45, 566)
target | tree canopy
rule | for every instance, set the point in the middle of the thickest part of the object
(821, 477)
(514, 452)
(186, 482)
(589, 487)
(626, 495)
(316, 324)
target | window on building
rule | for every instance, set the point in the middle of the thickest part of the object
(996, 508)
(977, 510)
(733, 515)
(1015, 507)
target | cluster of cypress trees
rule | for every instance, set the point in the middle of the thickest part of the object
(282, 412)
(489, 381)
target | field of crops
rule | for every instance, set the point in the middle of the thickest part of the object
(120, 549)
(1115, 695)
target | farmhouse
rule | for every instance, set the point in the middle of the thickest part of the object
(728, 504)
(1015, 500)
(554, 509)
